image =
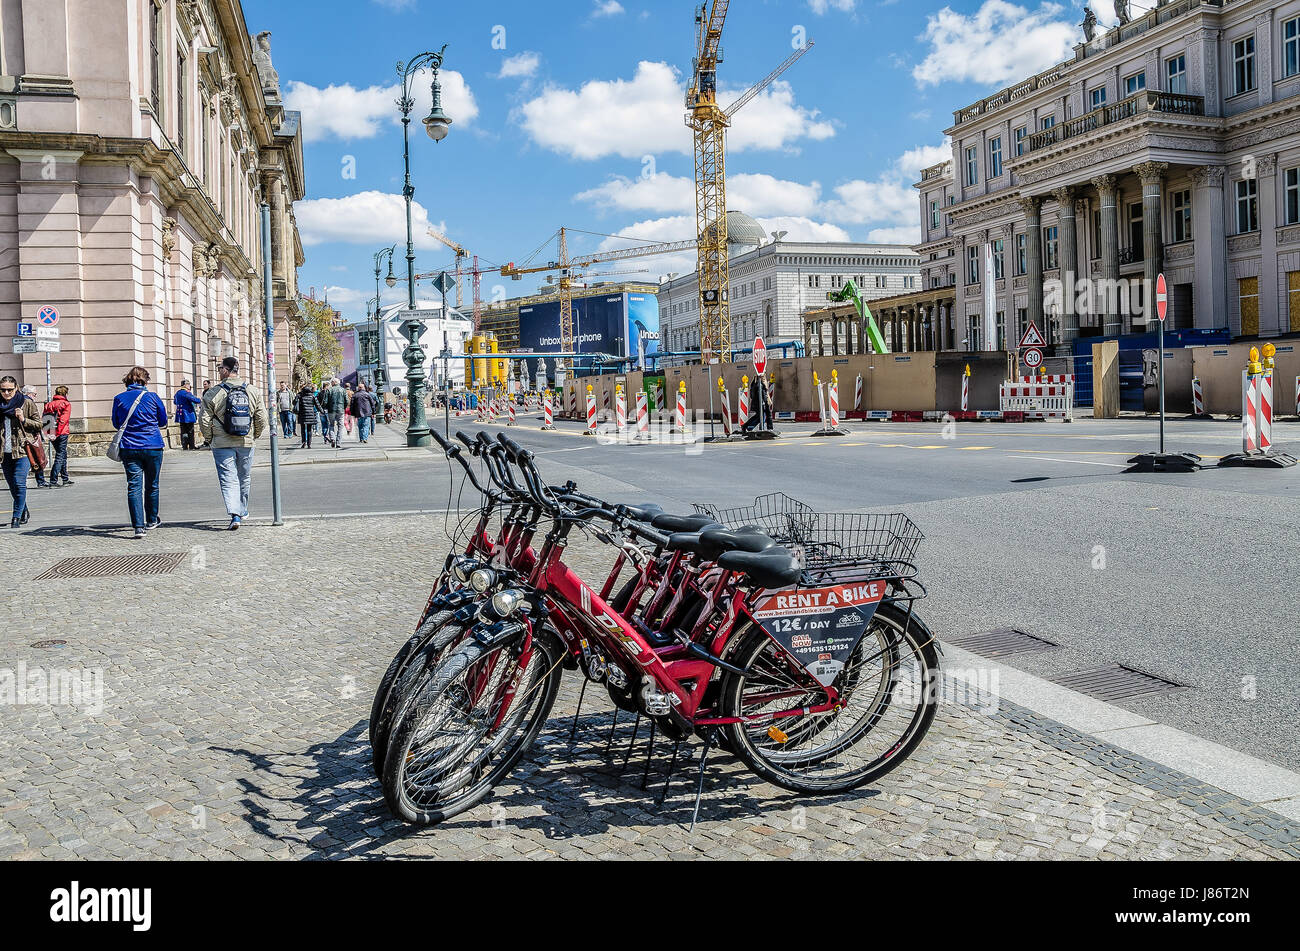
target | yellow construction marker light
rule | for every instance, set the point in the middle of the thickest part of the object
(744, 380)
(777, 734)
(721, 386)
(588, 387)
(816, 380)
(967, 373)
(835, 376)
(1254, 355)
(681, 387)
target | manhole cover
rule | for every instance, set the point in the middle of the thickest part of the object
(1003, 641)
(51, 643)
(159, 563)
(1116, 682)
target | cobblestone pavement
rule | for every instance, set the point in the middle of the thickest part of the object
(233, 723)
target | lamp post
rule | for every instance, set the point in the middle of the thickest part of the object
(435, 124)
(390, 281)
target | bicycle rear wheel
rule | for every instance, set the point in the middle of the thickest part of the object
(888, 703)
(445, 755)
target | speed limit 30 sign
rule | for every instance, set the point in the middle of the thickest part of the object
(1033, 358)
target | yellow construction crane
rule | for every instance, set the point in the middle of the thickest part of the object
(708, 122)
(570, 272)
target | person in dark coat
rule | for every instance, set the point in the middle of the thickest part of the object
(307, 415)
(187, 405)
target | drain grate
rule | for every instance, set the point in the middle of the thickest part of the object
(101, 566)
(1003, 641)
(54, 642)
(1116, 682)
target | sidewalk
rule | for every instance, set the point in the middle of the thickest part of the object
(387, 444)
(234, 718)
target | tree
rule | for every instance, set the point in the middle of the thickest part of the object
(319, 352)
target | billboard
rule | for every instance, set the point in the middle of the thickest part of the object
(602, 323)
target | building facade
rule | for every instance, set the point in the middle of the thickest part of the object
(1169, 144)
(775, 284)
(137, 140)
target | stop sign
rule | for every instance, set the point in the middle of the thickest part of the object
(760, 356)
(1162, 296)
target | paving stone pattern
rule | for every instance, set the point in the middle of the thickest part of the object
(236, 691)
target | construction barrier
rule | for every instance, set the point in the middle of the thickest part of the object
(1266, 411)
(857, 393)
(1257, 416)
(726, 409)
(511, 421)
(679, 425)
(1297, 396)
(591, 413)
(620, 409)
(1037, 400)
(830, 405)
(642, 416)
(659, 397)
(549, 410)
(1249, 412)
(743, 400)
(1198, 397)
(965, 389)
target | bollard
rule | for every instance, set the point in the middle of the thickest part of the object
(511, 421)
(1257, 416)
(642, 416)
(606, 402)
(680, 424)
(726, 413)
(573, 402)
(620, 408)
(857, 393)
(1266, 411)
(549, 410)
(591, 413)
(659, 397)
(1198, 397)
(965, 390)
(744, 400)
(834, 391)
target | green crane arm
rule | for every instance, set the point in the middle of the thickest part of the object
(850, 292)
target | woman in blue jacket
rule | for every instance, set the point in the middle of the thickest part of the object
(141, 448)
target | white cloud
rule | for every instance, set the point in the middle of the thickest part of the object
(643, 115)
(800, 228)
(346, 112)
(395, 5)
(519, 66)
(889, 203)
(765, 195)
(821, 6)
(755, 194)
(369, 218)
(346, 296)
(998, 44)
(899, 234)
(607, 8)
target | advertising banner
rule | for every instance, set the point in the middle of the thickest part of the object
(820, 626)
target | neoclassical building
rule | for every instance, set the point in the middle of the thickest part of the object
(137, 140)
(1170, 143)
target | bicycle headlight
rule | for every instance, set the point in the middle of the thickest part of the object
(463, 567)
(506, 602)
(482, 578)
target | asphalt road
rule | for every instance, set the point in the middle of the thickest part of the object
(1195, 581)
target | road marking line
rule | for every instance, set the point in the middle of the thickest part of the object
(1078, 462)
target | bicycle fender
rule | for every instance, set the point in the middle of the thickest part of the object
(496, 633)
(916, 620)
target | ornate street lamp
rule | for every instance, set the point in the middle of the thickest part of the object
(435, 124)
(390, 280)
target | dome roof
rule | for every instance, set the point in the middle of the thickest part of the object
(743, 230)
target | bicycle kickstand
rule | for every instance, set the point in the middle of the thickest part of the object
(699, 791)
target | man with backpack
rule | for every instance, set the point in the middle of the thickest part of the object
(233, 418)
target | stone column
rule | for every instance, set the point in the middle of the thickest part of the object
(1210, 290)
(1270, 319)
(1105, 303)
(1069, 255)
(1153, 249)
(1030, 206)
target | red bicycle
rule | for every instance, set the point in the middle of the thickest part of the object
(806, 659)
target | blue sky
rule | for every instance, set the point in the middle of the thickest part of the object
(570, 112)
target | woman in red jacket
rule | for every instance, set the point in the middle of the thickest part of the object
(61, 410)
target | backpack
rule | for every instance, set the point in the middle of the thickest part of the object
(238, 419)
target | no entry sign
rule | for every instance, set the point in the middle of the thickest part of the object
(1162, 296)
(760, 356)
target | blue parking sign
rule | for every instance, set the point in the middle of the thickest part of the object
(24, 330)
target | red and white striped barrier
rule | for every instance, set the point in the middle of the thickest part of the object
(1198, 397)
(1057, 378)
(1250, 408)
(573, 403)
(680, 424)
(642, 416)
(512, 415)
(548, 407)
(857, 393)
(591, 415)
(659, 397)
(1266, 411)
(1038, 400)
(726, 411)
(620, 410)
(834, 390)
(1297, 396)
(965, 393)
(743, 400)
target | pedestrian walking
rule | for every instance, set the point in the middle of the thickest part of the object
(363, 408)
(284, 404)
(21, 423)
(307, 415)
(187, 409)
(140, 416)
(347, 408)
(334, 401)
(233, 419)
(61, 410)
(36, 454)
(388, 408)
(203, 391)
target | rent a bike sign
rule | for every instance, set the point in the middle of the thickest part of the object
(819, 627)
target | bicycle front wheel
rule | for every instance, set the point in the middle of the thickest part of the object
(887, 694)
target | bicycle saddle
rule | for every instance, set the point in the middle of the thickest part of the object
(682, 523)
(714, 541)
(643, 512)
(773, 568)
(688, 541)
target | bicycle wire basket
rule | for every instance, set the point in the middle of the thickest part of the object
(825, 539)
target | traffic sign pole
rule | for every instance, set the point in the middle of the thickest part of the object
(1162, 304)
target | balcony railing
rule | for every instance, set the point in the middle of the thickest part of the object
(1145, 102)
(1134, 255)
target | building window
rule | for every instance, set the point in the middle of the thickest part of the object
(934, 214)
(1292, 196)
(1096, 234)
(997, 259)
(1048, 121)
(767, 283)
(1176, 74)
(1291, 46)
(1098, 97)
(1020, 140)
(180, 106)
(1248, 297)
(156, 62)
(1247, 206)
(1000, 325)
(1135, 83)
(972, 166)
(995, 156)
(881, 281)
(1293, 299)
(973, 265)
(1020, 254)
(1181, 226)
(1243, 65)
(1050, 248)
